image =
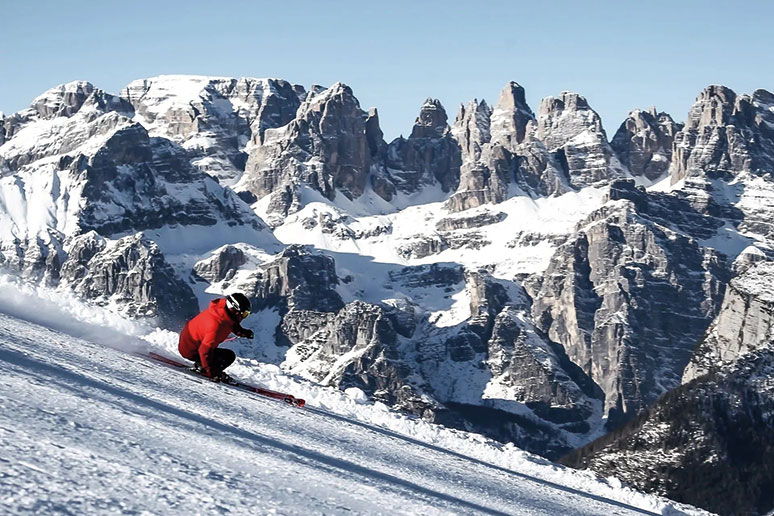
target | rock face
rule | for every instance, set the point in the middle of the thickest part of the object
(214, 120)
(564, 149)
(539, 374)
(714, 430)
(132, 274)
(430, 156)
(222, 265)
(745, 323)
(63, 100)
(709, 443)
(726, 134)
(573, 131)
(643, 143)
(298, 280)
(495, 372)
(629, 296)
(487, 169)
(356, 347)
(501, 151)
(511, 117)
(324, 147)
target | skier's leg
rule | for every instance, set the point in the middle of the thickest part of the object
(224, 358)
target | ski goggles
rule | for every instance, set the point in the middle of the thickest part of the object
(244, 313)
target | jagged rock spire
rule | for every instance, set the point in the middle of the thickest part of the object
(510, 116)
(431, 122)
(726, 134)
(643, 143)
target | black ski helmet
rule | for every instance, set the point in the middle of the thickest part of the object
(238, 304)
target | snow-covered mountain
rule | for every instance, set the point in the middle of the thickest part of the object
(512, 274)
(711, 439)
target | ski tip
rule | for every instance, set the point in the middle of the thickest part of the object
(292, 400)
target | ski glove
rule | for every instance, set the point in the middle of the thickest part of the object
(243, 332)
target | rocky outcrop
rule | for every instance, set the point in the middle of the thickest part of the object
(497, 373)
(92, 149)
(745, 323)
(643, 143)
(63, 100)
(484, 181)
(433, 275)
(298, 280)
(131, 274)
(471, 129)
(152, 170)
(488, 139)
(487, 299)
(511, 117)
(573, 131)
(487, 170)
(324, 147)
(709, 443)
(356, 347)
(430, 156)
(726, 134)
(214, 119)
(564, 149)
(482, 219)
(222, 265)
(539, 172)
(629, 296)
(533, 372)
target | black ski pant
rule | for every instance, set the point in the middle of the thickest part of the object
(221, 359)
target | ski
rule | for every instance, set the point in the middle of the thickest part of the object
(287, 398)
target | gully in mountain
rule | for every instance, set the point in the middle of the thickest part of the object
(202, 335)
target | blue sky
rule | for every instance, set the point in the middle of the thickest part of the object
(620, 54)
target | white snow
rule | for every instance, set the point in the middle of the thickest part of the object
(544, 218)
(106, 431)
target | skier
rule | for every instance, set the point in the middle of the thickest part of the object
(202, 335)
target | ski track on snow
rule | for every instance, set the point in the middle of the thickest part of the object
(89, 429)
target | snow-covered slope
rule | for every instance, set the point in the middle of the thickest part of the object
(85, 428)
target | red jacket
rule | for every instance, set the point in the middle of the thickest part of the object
(205, 332)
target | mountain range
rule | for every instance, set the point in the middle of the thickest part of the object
(512, 272)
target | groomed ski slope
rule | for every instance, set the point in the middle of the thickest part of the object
(87, 429)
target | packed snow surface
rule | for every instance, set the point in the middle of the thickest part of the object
(86, 428)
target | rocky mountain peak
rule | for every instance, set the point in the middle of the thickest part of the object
(325, 147)
(471, 128)
(431, 155)
(374, 133)
(335, 108)
(561, 119)
(510, 116)
(431, 122)
(215, 119)
(713, 106)
(643, 142)
(62, 100)
(725, 134)
(573, 132)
